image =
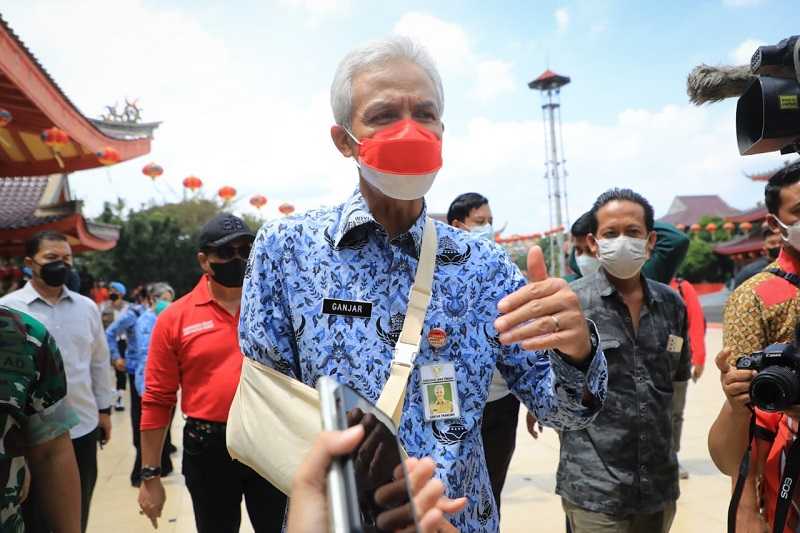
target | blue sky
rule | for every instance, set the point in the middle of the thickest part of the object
(242, 88)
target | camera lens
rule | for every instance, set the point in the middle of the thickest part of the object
(775, 388)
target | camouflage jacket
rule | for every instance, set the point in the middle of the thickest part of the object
(32, 410)
(624, 463)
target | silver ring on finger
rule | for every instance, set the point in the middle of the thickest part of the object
(555, 323)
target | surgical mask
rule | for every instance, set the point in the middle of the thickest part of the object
(229, 274)
(587, 264)
(54, 273)
(773, 253)
(792, 237)
(622, 257)
(160, 306)
(401, 161)
(486, 231)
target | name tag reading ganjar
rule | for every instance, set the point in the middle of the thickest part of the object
(332, 306)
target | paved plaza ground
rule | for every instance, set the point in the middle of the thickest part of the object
(529, 503)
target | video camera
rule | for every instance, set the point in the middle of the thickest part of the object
(768, 111)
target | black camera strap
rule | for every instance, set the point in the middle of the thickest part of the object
(744, 469)
(794, 279)
(787, 485)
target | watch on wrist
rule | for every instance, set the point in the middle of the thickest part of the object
(150, 472)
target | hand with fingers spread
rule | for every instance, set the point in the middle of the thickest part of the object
(544, 314)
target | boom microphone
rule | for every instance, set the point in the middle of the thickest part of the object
(707, 84)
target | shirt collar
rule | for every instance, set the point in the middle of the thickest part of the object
(607, 288)
(200, 294)
(30, 294)
(787, 262)
(356, 221)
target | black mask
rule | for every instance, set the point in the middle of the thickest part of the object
(55, 273)
(113, 297)
(773, 253)
(230, 274)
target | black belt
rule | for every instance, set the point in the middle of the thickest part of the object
(206, 426)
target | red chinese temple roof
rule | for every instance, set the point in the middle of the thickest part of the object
(36, 203)
(742, 245)
(37, 103)
(765, 176)
(688, 210)
(755, 214)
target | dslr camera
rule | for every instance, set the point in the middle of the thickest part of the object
(777, 384)
(768, 112)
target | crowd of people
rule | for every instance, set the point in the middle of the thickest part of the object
(603, 356)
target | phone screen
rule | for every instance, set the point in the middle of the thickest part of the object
(375, 463)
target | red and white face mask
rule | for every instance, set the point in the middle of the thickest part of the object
(401, 161)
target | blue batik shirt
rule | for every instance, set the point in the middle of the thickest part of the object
(144, 330)
(343, 253)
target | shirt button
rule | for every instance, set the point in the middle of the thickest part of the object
(644, 469)
(642, 437)
(643, 408)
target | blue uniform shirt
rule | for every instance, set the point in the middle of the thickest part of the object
(125, 324)
(343, 253)
(144, 329)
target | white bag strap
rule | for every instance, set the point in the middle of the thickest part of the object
(405, 351)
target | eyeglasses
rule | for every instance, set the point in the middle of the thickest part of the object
(228, 251)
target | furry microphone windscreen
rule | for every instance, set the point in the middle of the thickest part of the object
(712, 84)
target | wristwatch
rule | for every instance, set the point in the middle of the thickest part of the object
(150, 472)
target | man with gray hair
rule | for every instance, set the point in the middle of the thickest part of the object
(326, 293)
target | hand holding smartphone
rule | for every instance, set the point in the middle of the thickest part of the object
(368, 489)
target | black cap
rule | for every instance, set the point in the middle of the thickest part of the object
(223, 229)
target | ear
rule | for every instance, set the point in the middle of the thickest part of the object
(460, 225)
(342, 141)
(202, 260)
(28, 262)
(772, 222)
(591, 241)
(651, 242)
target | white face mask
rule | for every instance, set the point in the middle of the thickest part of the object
(587, 264)
(622, 257)
(792, 237)
(486, 231)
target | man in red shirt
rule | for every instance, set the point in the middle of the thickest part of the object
(195, 347)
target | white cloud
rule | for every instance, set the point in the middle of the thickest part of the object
(742, 54)
(318, 10)
(562, 18)
(449, 45)
(494, 77)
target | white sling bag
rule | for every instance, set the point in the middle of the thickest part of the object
(274, 418)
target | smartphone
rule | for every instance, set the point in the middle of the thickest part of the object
(353, 479)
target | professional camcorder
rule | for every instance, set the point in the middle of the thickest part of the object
(777, 384)
(768, 111)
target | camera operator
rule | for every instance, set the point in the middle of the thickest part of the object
(762, 311)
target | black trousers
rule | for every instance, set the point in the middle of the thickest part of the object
(217, 483)
(122, 379)
(136, 417)
(499, 434)
(85, 448)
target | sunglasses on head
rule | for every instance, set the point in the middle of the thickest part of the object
(228, 251)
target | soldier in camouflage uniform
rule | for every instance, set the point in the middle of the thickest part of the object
(36, 422)
(620, 474)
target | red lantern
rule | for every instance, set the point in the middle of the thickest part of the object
(108, 156)
(695, 228)
(227, 193)
(745, 227)
(258, 201)
(152, 171)
(286, 208)
(729, 226)
(5, 117)
(711, 227)
(192, 183)
(55, 138)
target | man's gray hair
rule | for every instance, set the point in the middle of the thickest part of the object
(378, 53)
(157, 289)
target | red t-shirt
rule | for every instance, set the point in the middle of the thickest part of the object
(194, 347)
(784, 429)
(696, 321)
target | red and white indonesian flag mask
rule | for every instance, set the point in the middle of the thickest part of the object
(401, 160)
